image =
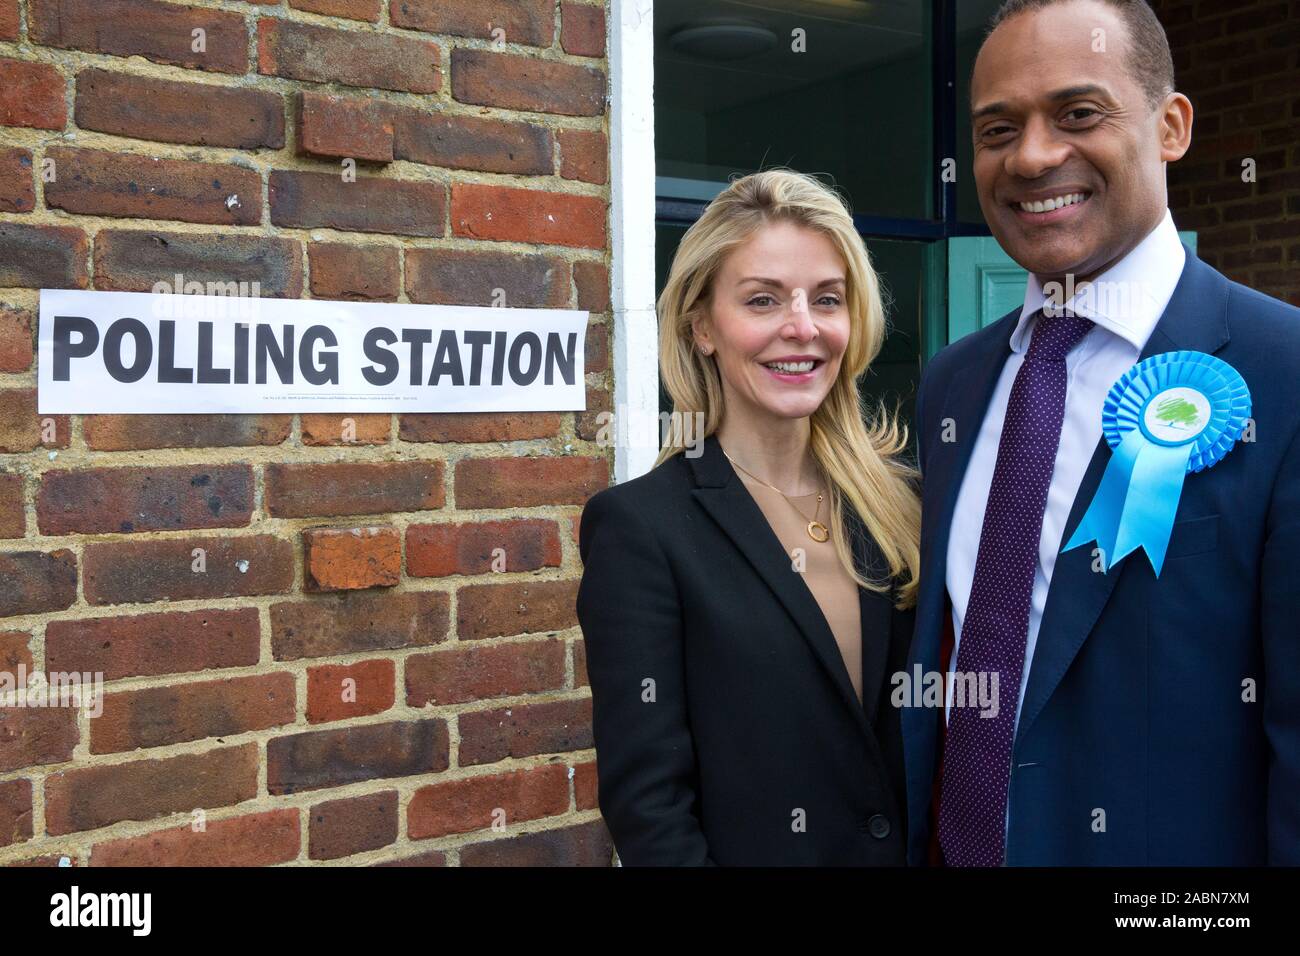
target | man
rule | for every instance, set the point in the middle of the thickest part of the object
(1149, 701)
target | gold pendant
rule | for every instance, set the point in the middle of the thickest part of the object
(818, 531)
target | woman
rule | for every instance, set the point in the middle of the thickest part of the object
(743, 603)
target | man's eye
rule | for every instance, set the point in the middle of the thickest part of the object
(1085, 111)
(995, 131)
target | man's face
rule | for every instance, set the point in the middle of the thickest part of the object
(1069, 155)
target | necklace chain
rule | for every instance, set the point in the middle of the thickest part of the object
(816, 530)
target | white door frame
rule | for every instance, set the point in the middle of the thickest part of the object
(635, 348)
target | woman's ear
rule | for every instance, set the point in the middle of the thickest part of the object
(700, 329)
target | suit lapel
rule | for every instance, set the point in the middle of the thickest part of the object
(1195, 319)
(728, 502)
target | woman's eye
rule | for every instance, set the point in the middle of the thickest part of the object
(831, 301)
(761, 301)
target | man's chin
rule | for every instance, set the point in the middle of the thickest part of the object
(1047, 262)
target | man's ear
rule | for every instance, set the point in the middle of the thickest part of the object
(1175, 127)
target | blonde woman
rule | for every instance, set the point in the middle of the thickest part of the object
(744, 603)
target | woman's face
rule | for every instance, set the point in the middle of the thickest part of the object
(777, 322)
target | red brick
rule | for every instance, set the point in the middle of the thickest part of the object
(258, 839)
(145, 645)
(9, 19)
(346, 429)
(136, 260)
(471, 427)
(341, 828)
(390, 206)
(528, 482)
(595, 352)
(345, 127)
(332, 758)
(343, 488)
(17, 327)
(155, 498)
(35, 736)
(348, 9)
(137, 432)
(372, 688)
(463, 673)
(124, 572)
(162, 32)
(592, 280)
(37, 581)
(580, 664)
(529, 22)
(13, 510)
(436, 550)
(16, 191)
(587, 844)
(358, 622)
(496, 801)
(527, 215)
(15, 811)
(585, 786)
(480, 143)
(15, 650)
(525, 730)
(582, 29)
(96, 182)
(157, 716)
(43, 257)
(201, 114)
(584, 155)
(87, 798)
(517, 607)
(303, 51)
(32, 94)
(474, 277)
(22, 429)
(588, 425)
(357, 273)
(430, 858)
(348, 559)
(518, 82)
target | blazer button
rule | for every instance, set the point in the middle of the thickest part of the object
(878, 826)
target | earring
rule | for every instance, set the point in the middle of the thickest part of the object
(706, 350)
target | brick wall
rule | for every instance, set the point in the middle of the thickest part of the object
(230, 576)
(1238, 61)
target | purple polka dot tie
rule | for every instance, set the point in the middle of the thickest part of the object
(977, 749)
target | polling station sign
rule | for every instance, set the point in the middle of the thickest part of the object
(160, 353)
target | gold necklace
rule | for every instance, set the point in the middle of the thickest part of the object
(816, 530)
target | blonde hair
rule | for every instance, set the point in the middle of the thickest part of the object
(856, 448)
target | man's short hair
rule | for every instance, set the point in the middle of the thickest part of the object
(1150, 63)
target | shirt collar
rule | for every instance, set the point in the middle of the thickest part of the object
(1128, 298)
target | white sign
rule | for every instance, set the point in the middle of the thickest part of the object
(135, 352)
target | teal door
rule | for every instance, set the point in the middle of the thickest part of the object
(984, 284)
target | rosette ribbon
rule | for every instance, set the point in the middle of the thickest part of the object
(1168, 416)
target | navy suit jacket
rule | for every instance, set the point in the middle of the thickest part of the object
(1135, 745)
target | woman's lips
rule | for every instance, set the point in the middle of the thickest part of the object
(795, 378)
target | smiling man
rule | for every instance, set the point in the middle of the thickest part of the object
(1128, 573)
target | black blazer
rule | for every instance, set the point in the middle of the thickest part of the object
(726, 727)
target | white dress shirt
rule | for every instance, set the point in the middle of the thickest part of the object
(1126, 302)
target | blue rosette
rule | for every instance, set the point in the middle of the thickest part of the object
(1170, 415)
